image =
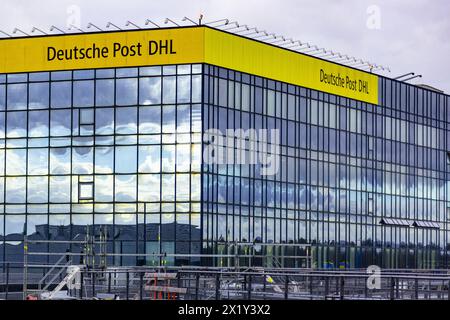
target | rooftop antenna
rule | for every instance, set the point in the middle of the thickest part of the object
(90, 24)
(18, 30)
(109, 24)
(132, 23)
(169, 20)
(1, 31)
(56, 28)
(75, 27)
(150, 21)
(193, 22)
(416, 76)
(200, 18)
(404, 75)
(37, 29)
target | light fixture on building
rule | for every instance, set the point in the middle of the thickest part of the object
(71, 27)
(6, 34)
(37, 29)
(414, 77)
(56, 28)
(109, 24)
(90, 24)
(404, 75)
(167, 20)
(21, 31)
(190, 20)
(148, 21)
(132, 23)
(221, 22)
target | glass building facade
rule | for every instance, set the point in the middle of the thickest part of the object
(363, 184)
(117, 148)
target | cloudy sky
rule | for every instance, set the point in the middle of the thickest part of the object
(405, 35)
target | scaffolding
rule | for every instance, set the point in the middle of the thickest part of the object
(90, 256)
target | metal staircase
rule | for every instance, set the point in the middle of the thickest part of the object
(71, 281)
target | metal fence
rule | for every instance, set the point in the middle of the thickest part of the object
(254, 284)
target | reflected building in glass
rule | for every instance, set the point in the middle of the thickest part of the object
(122, 148)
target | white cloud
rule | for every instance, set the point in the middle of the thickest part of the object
(413, 34)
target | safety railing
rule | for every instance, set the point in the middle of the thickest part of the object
(204, 284)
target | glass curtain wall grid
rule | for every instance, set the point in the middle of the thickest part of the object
(345, 166)
(119, 148)
(122, 148)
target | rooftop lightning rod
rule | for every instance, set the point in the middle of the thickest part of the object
(109, 24)
(90, 24)
(56, 28)
(132, 23)
(37, 29)
(18, 30)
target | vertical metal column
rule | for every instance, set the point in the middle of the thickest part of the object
(217, 286)
(7, 281)
(127, 284)
(416, 289)
(25, 267)
(286, 287)
(249, 289)
(392, 288)
(197, 284)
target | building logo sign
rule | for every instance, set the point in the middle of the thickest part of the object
(344, 81)
(117, 49)
(181, 46)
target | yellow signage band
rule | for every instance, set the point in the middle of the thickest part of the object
(182, 46)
